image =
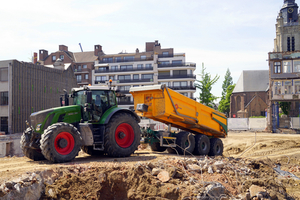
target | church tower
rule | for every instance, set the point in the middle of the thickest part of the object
(287, 28)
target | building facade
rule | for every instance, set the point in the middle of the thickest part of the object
(155, 65)
(26, 88)
(81, 62)
(250, 95)
(284, 63)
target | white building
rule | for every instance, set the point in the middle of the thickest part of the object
(154, 66)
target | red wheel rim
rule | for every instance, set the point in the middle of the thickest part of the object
(64, 143)
(124, 135)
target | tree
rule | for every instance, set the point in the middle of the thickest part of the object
(224, 106)
(205, 86)
(227, 82)
(285, 107)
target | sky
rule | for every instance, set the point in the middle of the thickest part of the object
(223, 34)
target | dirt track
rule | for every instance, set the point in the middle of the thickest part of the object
(283, 149)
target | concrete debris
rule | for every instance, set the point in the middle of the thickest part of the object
(163, 176)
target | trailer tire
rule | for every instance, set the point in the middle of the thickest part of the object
(202, 145)
(182, 142)
(90, 150)
(61, 142)
(216, 147)
(33, 154)
(155, 146)
(122, 135)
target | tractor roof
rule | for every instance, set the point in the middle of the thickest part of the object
(102, 87)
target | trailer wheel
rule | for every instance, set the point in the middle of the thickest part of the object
(202, 145)
(33, 154)
(216, 147)
(122, 135)
(90, 150)
(61, 142)
(185, 142)
(155, 146)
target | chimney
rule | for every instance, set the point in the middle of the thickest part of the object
(34, 58)
(63, 48)
(43, 54)
(137, 50)
(97, 49)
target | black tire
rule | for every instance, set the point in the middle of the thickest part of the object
(182, 140)
(33, 154)
(216, 147)
(202, 145)
(155, 146)
(122, 135)
(171, 150)
(89, 150)
(61, 142)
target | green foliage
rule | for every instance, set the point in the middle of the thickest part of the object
(224, 105)
(285, 107)
(227, 82)
(205, 86)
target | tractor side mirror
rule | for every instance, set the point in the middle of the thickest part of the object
(89, 97)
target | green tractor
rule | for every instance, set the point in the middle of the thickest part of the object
(94, 123)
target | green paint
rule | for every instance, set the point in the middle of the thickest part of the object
(50, 89)
(19, 112)
(222, 124)
(31, 109)
(219, 115)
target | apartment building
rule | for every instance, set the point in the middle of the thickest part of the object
(155, 65)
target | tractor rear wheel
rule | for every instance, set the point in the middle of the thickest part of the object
(33, 154)
(61, 142)
(122, 135)
(185, 142)
(216, 147)
(90, 150)
(202, 145)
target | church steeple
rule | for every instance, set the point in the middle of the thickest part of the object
(289, 11)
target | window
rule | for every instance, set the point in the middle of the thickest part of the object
(297, 87)
(288, 44)
(108, 60)
(296, 66)
(118, 59)
(128, 58)
(277, 68)
(53, 58)
(148, 66)
(287, 87)
(180, 72)
(4, 98)
(86, 76)
(164, 62)
(124, 77)
(124, 88)
(114, 68)
(4, 124)
(112, 77)
(277, 85)
(143, 57)
(287, 67)
(147, 76)
(164, 73)
(101, 78)
(84, 66)
(140, 66)
(136, 77)
(78, 77)
(165, 53)
(126, 67)
(4, 74)
(61, 57)
(293, 43)
(79, 67)
(176, 62)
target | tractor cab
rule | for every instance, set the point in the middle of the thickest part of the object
(94, 100)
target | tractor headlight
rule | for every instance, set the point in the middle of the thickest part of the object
(38, 127)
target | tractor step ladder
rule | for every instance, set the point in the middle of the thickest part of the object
(170, 141)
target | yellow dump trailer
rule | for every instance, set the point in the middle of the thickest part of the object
(162, 104)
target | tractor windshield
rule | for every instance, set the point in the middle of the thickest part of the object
(79, 98)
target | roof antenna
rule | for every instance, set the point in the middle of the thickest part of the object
(80, 47)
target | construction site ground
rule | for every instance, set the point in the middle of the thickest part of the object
(247, 164)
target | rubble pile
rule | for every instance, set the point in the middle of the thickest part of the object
(171, 178)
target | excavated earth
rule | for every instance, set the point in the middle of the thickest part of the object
(253, 166)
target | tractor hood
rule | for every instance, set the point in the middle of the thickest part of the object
(42, 119)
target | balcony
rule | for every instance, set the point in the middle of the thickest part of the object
(165, 56)
(79, 71)
(176, 76)
(134, 80)
(124, 70)
(182, 87)
(125, 60)
(187, 64)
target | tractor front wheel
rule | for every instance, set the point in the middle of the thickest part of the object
(122, 135)
(61, 142)
(33, 154)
